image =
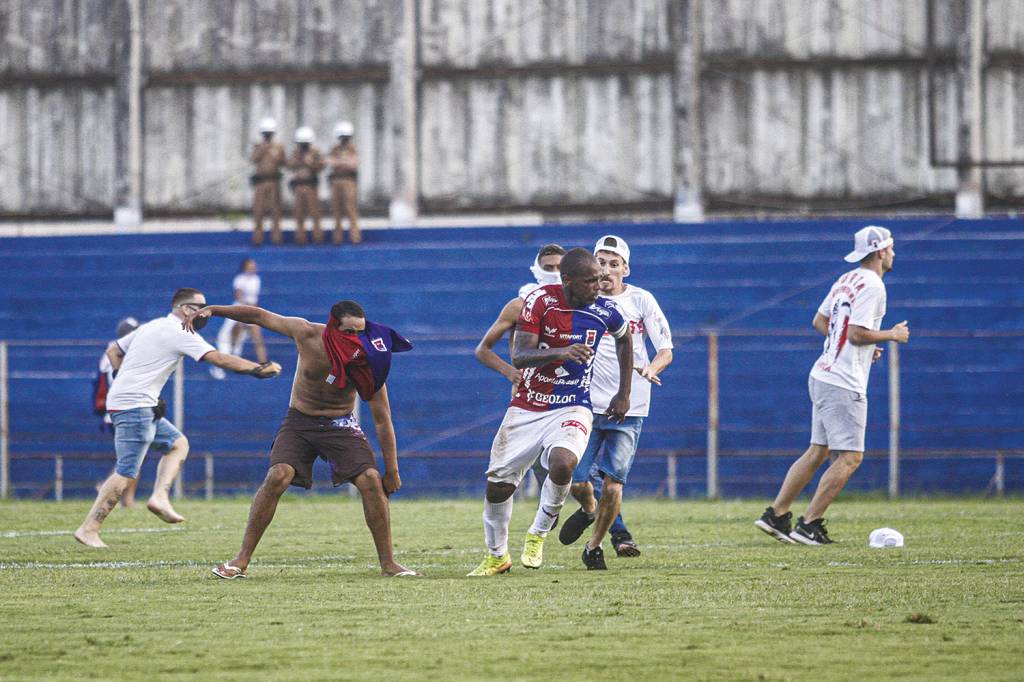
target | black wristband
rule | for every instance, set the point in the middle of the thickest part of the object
(255, 371)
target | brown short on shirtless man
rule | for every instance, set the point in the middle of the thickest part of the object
(319, 422)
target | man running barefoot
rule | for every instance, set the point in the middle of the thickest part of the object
(348, 356)
(143, 361)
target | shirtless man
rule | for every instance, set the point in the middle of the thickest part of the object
(333, 367)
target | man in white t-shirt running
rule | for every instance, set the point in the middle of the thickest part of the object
(850, 319)
(143, 361)
(232, 335)
(612, 445)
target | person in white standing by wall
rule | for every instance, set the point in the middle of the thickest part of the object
(850, 319)
(232, 335)
(612, 445)
(144, 360)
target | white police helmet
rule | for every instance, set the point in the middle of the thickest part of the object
(304, 134)
(344, 129)
(268, 125)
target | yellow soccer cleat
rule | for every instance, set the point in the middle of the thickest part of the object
(492, 565)
(533, 551)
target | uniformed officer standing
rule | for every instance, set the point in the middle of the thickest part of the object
(344, 162)
(269, 158)
(306, 162)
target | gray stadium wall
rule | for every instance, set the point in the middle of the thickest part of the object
(521, 104)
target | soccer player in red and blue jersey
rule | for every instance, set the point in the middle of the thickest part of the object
(550, 415)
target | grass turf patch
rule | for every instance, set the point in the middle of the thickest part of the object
(710, 598)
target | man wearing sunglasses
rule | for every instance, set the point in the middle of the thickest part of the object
(143, 361)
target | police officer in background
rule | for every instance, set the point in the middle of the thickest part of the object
(344, 162)
(269, 158)
(305, 163)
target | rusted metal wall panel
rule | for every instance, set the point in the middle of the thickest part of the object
(241, 35)
(56, 150)
(198, 138)
(546, 141)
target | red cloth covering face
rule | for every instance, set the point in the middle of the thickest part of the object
(348, 360)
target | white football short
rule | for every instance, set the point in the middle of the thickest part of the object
(526, 435)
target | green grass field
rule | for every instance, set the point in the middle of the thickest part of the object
(711, 597)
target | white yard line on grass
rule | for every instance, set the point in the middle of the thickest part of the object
(42, 533)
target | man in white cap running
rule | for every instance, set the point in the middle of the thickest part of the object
(850, 319)
(612, 444)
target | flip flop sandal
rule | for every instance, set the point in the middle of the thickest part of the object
(229, 572)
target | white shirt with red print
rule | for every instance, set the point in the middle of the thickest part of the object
(646, 321)
(858, 297)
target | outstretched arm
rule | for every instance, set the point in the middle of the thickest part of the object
(662, 359)
(484, 350)
(380, 409)
(233, 363)
(288, 326)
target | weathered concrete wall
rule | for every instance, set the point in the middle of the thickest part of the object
(522, 103)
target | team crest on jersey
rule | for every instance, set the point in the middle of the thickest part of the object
(550, 331)
(591, 337)
(574, 424)
(378, 343)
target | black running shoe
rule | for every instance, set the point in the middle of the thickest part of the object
(624, 545)
(776, 526)
(811, 532)
(574, 526)
(593, 559)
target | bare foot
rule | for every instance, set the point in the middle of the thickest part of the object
(394, 570)
(89, 538)
(165, 511)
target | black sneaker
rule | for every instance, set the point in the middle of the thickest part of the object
(776, 526)
(624, 545)
(574, 526)
(811, 532)
(593, 559)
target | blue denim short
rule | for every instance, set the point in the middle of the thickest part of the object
(134, 433)
(619, 443)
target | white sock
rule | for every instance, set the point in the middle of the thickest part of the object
(497, 516)
(552, 497)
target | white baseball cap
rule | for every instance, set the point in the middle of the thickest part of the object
(304, 134)
(268, 125)
(885, 537)
(616, 245)
(868, 240)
